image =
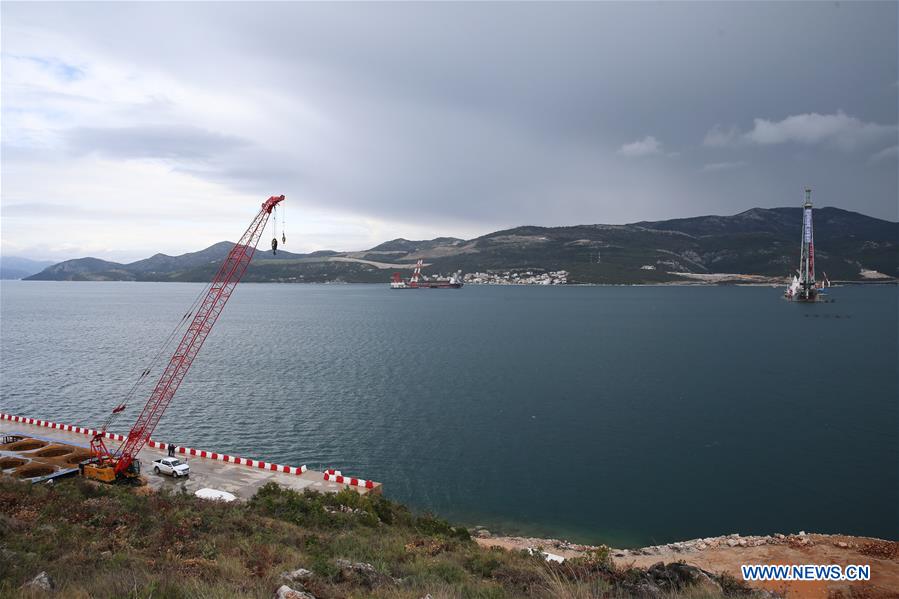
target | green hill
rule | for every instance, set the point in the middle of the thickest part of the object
(760, 241)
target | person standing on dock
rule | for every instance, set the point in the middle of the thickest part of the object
(171, 447)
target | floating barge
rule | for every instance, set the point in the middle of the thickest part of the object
(417, 282)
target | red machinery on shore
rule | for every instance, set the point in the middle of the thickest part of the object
(109, 466)
(418, 282)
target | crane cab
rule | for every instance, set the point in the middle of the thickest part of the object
(104, 471)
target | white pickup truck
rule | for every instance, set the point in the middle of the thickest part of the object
(171, 466)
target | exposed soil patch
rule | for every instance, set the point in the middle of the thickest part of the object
(53, 452)
(33, 470)
(78, 456)
(881, 549)
(49, 454)
(27, 445)
(7, 463)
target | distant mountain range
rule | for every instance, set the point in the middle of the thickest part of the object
(849, 246)
(13, 267)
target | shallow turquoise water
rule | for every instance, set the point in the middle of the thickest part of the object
(626, 415)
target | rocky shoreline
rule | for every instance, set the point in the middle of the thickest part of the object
(731, 540)
(725, 554)
(799, 539)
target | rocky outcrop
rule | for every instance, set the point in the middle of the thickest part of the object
(665, 580)
(363, 573)
(42, 582)
(285, 592)
(297, 578)
(298, 575)
(731, 540)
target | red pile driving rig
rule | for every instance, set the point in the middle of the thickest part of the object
(419, 282)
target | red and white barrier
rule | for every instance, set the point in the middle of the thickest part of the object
(337, 477)
(201, 453)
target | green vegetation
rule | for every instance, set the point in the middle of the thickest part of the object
(107, 541)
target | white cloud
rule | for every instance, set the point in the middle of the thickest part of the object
(647, 146)
(838, 130)
(723, 166)
(719, 137)
(890, 153)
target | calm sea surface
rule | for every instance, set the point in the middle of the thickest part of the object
(626, 415)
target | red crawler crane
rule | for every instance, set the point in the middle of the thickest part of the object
(108, 466)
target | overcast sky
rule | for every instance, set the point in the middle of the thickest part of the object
(129, 129)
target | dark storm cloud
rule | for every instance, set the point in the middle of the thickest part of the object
(507, 113)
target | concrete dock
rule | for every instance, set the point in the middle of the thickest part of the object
(205, 472)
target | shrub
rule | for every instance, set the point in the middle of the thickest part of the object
(483, 563)
(431, 525)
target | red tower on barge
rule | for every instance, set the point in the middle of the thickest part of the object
(416, 282)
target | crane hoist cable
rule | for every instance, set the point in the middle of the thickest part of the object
(117, 411)
(275, 233)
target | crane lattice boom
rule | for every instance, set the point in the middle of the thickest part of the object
(227, 277)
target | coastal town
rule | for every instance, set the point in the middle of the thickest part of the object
(514, 277)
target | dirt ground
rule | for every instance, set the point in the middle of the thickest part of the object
(30, 457)
(882, 556)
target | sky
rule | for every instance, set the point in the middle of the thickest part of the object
(135, 128)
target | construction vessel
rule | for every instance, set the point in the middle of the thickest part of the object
(417, 281)
(803, 287)
(122, 464)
